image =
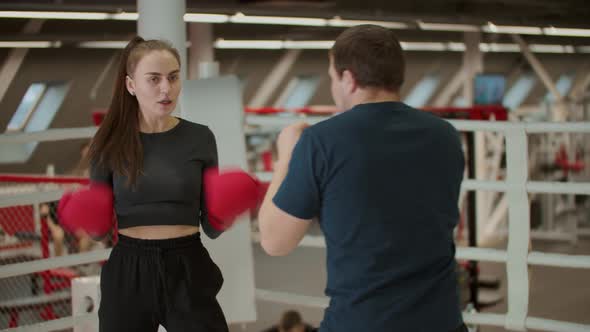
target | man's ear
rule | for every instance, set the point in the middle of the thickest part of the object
(349, 81)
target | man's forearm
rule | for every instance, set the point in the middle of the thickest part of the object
(280, 232)
(264, 218)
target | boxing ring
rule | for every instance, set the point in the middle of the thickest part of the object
(517, 257)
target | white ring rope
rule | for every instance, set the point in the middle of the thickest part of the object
(316, 241)
(49, 135)
(17, 269)
(58, 134)
(57, 324)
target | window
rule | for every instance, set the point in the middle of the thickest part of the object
(298, 92)
(35, 112)
(46, 109)
(519, 91)
(38, 106)
(459, 101)
(423, 91)
(563, 85)
(26, 107)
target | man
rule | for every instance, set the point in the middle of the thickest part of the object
(384, 180)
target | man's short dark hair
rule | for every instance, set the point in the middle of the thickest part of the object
(373, 54)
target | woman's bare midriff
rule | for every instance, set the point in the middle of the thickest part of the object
(159, 232)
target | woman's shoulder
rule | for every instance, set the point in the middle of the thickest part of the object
(195, 127)
(192, 124)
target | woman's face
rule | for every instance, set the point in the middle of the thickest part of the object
(156, 83)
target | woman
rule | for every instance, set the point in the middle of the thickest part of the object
(159, 272)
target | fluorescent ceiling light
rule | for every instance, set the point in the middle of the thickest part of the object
(535, 48)
(521, 30)
(339, 22)
(491, 27)
(110, 44)
(447, 27)
(318, 44)
(552, 31)
(569, 49)
(456, 47)
(54, 15)
(124, 16)
(495, 47)
(103, 44)
(309, 44)
(304, 21)
(407, 46)
(206, 18)
(423, 46)
(241, 18)
(249, 44)
(29, 44)
(551, 48)
(69, 15)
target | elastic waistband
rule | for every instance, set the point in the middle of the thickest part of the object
(163, 244)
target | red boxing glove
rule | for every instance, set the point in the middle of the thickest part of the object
(89, 209)
(228, 194)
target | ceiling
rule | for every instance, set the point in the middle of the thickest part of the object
(567, 13)
(559, 13)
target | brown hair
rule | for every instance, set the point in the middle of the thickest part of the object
(372, 54)
(289, 320)
(116, 145)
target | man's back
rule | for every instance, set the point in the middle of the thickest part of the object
(388, 179)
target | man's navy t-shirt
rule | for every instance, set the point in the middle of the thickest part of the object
(384, 179)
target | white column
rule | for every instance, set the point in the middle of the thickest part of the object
(201, 55)
(164, 20)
